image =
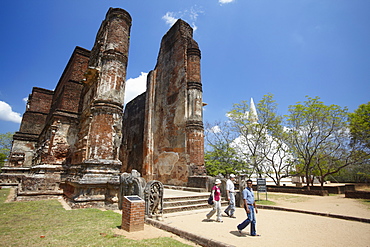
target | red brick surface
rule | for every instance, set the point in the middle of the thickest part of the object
(133, 215)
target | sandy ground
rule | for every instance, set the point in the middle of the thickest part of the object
(277, 228)
(151, 232)
(333, 204)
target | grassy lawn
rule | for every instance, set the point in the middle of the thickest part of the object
(366, 202)
(276, 197)
(46, 223)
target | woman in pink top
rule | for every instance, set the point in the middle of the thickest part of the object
(216, 193)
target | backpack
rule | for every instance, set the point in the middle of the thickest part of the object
(210, 199)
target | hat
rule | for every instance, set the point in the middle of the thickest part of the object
(232, 175)
(218, 181)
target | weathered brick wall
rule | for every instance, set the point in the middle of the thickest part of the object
(131, 151)
(57, 139)
(38, 107)
(33, 122)
(174, 127)
(22, 152)
(67, 96)
(40, 100)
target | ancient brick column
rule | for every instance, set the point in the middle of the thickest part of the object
(108, 97)
(96, 158)
(194, 123)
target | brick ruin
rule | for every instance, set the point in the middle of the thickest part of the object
(77, 140)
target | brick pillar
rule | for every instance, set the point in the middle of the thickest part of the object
(194, 123)
(133, 213)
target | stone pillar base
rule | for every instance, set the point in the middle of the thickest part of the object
(200, 182)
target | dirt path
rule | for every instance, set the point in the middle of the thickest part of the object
(278, 228)
(334, 204)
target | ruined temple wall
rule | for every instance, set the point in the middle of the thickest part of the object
(131, 151)
(67, 93)
(100, 132)
(33, 122)
(167, 154)
(38, 107)
(21, 154)
(60, 133)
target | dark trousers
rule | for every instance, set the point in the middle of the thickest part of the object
(251, 219)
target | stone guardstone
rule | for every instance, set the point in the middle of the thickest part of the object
(133, 213)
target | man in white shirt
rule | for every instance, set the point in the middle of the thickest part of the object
(230, 191)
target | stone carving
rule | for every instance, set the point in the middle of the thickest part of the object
(154, 199)
(130, 184)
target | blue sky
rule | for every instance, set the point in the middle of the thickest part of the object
(289, 48)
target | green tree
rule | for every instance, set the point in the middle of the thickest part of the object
(320, 138)
(5, 146)
(359, 125)
(220, 157)
(262, 138)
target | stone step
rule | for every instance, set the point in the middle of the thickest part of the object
(186, 198)
(189, 207)
(174, 203)
(187, 203)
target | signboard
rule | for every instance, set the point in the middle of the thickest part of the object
(133, 198)
(261, 185)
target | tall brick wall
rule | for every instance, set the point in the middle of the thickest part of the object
(33, 122)
(67, 96)
(131, 151)
(57, 140)
(38, 107)
(174, 124)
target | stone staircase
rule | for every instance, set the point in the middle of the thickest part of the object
(187, 203)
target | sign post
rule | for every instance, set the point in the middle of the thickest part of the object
(261, 187)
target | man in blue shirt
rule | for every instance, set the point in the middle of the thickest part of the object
(250, 207)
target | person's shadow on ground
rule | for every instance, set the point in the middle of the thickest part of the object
(236, 233)
(208, 220)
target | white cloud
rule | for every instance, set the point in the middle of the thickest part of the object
(7, 114)
(225, 1)
(216, 129)
(188, 15)
(135, 87)
(169, 18)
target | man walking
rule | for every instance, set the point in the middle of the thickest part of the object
(230, 191)
(249, 206)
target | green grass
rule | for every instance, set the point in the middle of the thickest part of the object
(286, 197)
(23, 224)
(366, 202)
(264, 202)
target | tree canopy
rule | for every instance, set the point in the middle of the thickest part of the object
(312, 140)
(359, 124)
(5, 146)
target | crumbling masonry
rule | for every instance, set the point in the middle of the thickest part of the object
(76, 140)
